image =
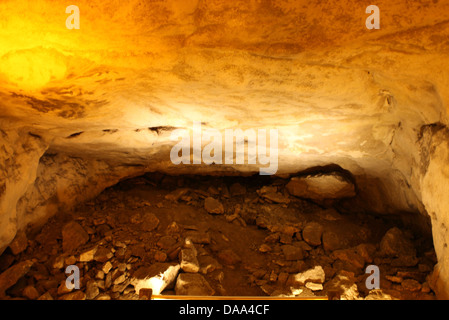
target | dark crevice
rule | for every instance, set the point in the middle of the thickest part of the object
(76, 134)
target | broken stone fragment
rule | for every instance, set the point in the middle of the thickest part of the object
(46, 296)
(378, 294)
(395, 244)
(321, 186)
(19, 244)
(149, 222)
(312, 233)
(349, 256)
(366, 250)
(314, 286)
(411, 285)
(9, 277)
(59, 262)
(271, 193)
(70, 260)
(92, 290)
(264, 248)
(158, 277)
(315, 275)
(103, 254)
(88, 256)
(193, 284)
(198, 237)
(63, 289)
(73, 236)
(166, 242)
(173, 228)
(103, 296)
(77, 295)
(160, 256)
(107, 267)
(30, 292)
(344, 284)
(189, 261)
(213, 206)
(6, 260)
(208, 264)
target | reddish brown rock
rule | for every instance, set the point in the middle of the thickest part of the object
(73, 236)
(149, 222)
(9, 277)
(228, 257)
(213, 206)
(19, 244)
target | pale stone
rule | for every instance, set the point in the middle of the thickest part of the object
(315, 275)
(88, 255)
(189, 261)
(9, 277)
(30, 292)
(149, 222)
(321, 186)
(157, 277)
(395, 244)
(314, 286)
(19, 244)
(193, 284)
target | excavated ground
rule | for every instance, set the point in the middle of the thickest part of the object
(254, 241)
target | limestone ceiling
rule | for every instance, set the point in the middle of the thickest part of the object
(310, 67)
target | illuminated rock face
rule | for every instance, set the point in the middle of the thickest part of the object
(82, 109)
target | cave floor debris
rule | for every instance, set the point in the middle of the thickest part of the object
(215, 236)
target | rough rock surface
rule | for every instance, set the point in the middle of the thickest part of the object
(91, 107)
(193, 284)
(256, 248)
(321, 187)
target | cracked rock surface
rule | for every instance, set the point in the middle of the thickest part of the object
(81, 110)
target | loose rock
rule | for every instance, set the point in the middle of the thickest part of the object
(321, 186)
(157, 277)
(213, 206)
(312, 233)
(9, 277)
(193, 284)
(73, 236)
(189, 261)
(315, 275)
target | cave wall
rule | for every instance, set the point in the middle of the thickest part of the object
(82, 109)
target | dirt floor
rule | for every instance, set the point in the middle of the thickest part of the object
(251, 239)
